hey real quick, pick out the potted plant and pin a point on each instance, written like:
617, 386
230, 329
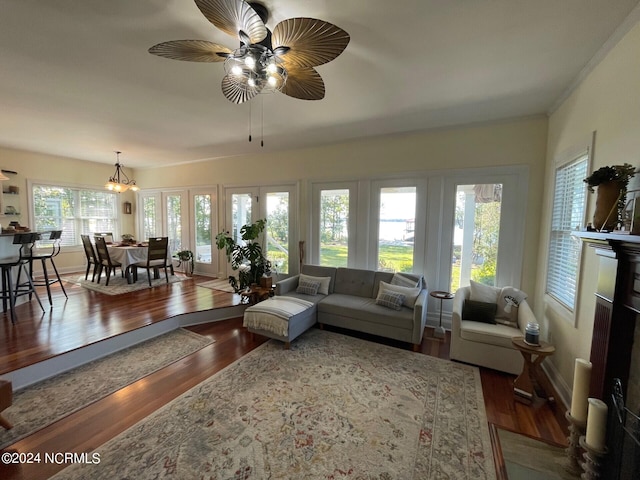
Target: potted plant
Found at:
245, 256
128, 238
612, 182
185, 260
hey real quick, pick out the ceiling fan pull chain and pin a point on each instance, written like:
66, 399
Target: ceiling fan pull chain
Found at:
249, 121
262, 121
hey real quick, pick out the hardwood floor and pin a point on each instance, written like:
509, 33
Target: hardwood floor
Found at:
87, 316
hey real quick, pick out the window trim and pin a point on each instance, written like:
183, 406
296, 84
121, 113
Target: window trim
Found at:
31, 183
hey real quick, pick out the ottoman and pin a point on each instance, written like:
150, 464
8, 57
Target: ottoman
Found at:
281, 318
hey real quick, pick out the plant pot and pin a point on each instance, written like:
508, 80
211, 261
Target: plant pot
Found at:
187, 268
606, 214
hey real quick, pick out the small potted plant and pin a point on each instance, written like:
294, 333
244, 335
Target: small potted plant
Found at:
185, 260
612, 182
128, 239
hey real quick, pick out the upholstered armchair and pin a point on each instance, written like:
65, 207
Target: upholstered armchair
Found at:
487, 344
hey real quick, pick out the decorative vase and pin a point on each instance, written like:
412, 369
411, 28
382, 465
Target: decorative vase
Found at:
606, 214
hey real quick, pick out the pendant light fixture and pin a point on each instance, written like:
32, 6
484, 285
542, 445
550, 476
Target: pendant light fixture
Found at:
119, 182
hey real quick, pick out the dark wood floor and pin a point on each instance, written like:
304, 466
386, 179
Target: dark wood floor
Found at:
88, 316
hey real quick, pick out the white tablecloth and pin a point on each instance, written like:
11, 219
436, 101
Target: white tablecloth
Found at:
127, 255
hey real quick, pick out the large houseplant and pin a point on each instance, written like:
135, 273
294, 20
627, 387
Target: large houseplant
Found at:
246, 255
612, 182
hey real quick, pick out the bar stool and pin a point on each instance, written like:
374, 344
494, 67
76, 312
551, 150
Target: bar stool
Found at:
9, 291
53, 237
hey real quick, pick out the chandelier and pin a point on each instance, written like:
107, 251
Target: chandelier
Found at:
119, 182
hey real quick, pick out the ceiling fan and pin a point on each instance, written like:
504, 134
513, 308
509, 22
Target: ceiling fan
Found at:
282, 60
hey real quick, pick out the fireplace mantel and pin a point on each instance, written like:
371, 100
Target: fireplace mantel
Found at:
617, 306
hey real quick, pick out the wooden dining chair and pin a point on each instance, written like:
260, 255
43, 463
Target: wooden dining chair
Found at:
156, 258
108, 236
104, 260
92, 258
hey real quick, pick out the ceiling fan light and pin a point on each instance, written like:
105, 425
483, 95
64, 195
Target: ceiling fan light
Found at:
251, 82
272, 67
273, 81
236, 70
249, 61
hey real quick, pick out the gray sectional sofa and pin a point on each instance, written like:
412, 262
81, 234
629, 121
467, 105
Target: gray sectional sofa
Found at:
350, 302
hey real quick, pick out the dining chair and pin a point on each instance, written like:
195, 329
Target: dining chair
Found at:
156, 258
104, 260
21, 259
108, 236
92, 258
50, 238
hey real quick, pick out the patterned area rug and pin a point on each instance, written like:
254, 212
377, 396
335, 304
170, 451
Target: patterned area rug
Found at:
218, 284
119, 285
46, 402
331, 407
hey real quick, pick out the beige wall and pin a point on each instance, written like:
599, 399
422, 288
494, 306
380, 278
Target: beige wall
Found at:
50, 168
514, 142
607, 102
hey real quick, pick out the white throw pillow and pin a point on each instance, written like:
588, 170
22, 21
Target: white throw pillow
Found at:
404, 281
483, 293
324, 282
509, 300
410, 294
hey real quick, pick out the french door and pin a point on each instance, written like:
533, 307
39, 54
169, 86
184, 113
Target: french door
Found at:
274, 203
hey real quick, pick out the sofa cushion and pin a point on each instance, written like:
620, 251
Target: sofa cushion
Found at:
323, 282
483, 293
320, 271
479, 311
499, 335
410, 294
351, 281
390, 299
365, 309
308, 288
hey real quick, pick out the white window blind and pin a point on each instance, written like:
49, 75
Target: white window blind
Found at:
569, 204
75, 211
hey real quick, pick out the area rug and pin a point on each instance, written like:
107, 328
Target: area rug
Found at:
218, 284
41, 404
118, 285
526, 458
331, 407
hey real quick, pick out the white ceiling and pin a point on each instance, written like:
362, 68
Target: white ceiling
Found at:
76, 78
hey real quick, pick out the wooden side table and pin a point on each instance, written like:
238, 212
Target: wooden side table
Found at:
532, 380
255, 294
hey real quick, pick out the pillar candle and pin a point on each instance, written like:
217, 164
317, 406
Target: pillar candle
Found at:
597, 424
581, 381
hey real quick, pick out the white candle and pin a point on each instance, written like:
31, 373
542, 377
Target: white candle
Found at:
581, 381
597, 424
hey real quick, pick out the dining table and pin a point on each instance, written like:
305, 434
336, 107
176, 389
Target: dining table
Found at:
128, 255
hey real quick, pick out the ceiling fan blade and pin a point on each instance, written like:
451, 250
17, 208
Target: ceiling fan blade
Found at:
191, 50
233, 16
311, 42
236, 89
304, 83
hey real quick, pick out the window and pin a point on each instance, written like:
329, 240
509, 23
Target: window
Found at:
202, 206
476, 234
75, 211
278, 231
396, 228
334, 227
568, 215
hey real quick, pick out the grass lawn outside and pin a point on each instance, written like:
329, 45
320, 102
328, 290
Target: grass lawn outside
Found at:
398, 258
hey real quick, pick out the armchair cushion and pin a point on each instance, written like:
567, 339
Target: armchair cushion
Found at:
484, 312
